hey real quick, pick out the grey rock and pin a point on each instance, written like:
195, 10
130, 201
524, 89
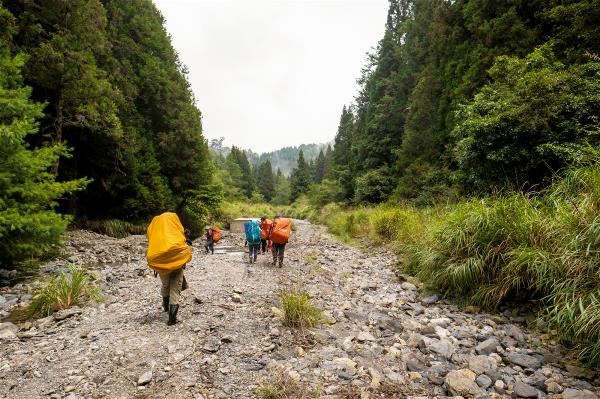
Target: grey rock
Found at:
408, 286
365, 336
526, 361
481, 364
462, 382
571, 393
484, 381
145, 378
66, 313
523, 390
252, 364
487, 347
212, 345
515, 332
443, 348
431, 299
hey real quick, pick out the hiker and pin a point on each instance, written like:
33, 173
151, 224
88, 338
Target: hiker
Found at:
210, 240
265, 228
253, 234
279, 235
168, 254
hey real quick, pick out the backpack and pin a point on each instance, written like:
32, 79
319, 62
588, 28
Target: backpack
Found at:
264, 229
216, 234
167, 247
281, 231
252, 230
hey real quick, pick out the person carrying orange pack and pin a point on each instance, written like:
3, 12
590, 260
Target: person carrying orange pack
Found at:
279, 234
265, 229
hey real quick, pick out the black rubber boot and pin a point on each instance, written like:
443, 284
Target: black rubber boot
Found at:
172, 314
165, 303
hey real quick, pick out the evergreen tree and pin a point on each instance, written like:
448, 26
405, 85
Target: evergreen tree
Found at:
265, 180
282, 189
320, 167
300, 180
247, 179
328, 164
342, 153
29, 226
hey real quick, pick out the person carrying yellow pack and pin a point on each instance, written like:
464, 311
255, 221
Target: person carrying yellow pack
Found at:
168, 253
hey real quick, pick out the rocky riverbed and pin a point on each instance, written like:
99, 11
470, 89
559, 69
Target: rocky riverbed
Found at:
385, 338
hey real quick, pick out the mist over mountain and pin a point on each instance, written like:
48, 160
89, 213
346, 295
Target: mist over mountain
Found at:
284, 159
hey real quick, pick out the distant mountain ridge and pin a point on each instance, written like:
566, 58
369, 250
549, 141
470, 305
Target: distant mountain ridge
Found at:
283, 159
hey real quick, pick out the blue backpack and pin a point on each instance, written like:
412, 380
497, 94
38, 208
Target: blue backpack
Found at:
252, 230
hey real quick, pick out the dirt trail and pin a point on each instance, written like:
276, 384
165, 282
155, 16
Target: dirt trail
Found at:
385, 339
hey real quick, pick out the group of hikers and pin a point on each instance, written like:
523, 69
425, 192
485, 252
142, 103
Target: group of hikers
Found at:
260, 237
169, 251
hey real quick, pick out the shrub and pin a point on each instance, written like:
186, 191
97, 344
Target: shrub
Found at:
298, 310
284, 387
75, 288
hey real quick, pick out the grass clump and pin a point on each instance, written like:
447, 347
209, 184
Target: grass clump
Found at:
116, 228
75, 288
298, 309
284, 387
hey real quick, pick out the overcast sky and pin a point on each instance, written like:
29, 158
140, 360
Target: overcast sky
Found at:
270, 74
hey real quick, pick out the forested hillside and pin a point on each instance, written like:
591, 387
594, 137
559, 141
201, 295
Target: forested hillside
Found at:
94, 97
470, 97
284, 159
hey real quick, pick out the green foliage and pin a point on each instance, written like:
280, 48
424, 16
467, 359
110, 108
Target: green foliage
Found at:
122, 103
298, 310
246, 179
282, 190
265, 180
116, 228
75, 288
29, 226
399, 139
542, 247
328, 191
535, 117
300, 180
373, 186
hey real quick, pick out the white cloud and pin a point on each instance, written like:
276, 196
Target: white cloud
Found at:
269, 74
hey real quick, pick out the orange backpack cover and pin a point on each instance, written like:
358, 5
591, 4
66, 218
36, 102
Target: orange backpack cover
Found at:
282, 229
216, 233
167, 249
264, 229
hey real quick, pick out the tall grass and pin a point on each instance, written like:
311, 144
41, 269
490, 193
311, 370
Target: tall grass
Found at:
115, 228
298, 309
75, 288
543, 247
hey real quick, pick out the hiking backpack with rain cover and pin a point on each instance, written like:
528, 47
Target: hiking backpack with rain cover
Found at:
252, 230
167, 247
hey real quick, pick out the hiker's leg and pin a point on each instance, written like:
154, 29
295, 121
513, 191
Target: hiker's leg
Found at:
274, 251
165, 287
263, 246
255, 249
176, 280
281, 253
212, 248
206, 247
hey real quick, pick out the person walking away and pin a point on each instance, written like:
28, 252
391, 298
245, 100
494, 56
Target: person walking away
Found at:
252, 230
168, 253
279, 236
210, 241
265, 228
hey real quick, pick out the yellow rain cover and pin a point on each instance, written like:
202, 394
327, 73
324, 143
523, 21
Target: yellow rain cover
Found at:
167, 249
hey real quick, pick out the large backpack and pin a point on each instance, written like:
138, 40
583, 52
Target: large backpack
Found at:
282, 229
167, 248
216, 234
252, 230
264, 229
